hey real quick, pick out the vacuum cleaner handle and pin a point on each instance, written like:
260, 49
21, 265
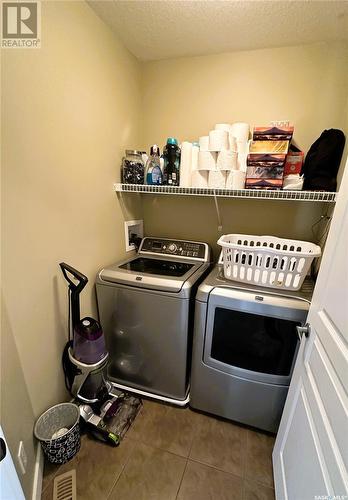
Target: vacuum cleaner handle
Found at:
81, 278
75, 289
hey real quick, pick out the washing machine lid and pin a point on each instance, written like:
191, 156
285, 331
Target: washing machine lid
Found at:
155, 273
157, 266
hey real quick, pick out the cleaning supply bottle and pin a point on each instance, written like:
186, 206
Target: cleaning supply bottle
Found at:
171, 168
153, 172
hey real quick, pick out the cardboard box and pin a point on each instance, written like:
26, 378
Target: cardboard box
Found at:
265, 160
263, 183
294, 162
262, 172
271, 147
273, 133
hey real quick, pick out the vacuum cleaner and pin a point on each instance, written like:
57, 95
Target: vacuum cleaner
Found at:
84, 362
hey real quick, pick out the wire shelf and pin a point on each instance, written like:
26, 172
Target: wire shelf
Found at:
264, 194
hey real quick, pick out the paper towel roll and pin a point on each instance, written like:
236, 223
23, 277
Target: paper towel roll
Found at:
226, 160
206, 160
235, 179
194, 156
242, 161
218, 140
223, 126
204, 143
185, 164
217, 179
240, 131
199, 178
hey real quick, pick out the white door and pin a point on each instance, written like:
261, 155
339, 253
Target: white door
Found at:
310, 457
10, 487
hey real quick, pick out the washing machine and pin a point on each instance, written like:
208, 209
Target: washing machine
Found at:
244, 348
146, 308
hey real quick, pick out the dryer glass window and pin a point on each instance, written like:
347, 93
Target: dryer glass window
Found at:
252, 342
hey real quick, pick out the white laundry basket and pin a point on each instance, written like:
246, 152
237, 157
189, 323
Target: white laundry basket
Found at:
266, 260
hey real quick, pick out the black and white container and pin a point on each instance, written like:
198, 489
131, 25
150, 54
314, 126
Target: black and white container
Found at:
58, 431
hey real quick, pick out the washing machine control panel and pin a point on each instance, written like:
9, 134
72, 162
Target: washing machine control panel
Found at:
174, 247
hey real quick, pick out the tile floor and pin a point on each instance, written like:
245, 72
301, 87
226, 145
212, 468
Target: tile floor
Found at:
172, 453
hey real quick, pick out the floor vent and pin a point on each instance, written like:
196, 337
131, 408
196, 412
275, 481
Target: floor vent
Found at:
64, 486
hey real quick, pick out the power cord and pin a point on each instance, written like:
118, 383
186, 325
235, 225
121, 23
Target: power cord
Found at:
218, 214
319, 239
70, 371
69, 312
135, 240
322, 218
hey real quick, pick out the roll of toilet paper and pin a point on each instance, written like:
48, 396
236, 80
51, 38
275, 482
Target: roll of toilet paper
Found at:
228, 128
240, 131
144, 157
233, 143
185, 164
194, 156
235, 179
242, 161
226, 160
204, 143
223, 126
206, 160
243, 146
218, 140
199, 178
217, 179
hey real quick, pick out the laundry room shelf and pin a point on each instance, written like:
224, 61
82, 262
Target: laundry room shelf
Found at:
274, 194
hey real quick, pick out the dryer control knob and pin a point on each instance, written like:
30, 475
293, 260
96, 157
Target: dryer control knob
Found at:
172, 247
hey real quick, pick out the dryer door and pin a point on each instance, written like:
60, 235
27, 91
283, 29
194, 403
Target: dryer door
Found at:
253, 336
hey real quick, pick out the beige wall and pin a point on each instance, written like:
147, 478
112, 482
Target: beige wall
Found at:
196, 218
306, 84
17, 414
69, 110
186, 97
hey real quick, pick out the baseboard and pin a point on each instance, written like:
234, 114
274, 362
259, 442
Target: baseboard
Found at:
38, 473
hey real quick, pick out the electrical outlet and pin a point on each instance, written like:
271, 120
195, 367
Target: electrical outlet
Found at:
133, 227
22, 457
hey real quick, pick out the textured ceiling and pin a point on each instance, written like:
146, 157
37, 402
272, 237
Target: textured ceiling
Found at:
165, 29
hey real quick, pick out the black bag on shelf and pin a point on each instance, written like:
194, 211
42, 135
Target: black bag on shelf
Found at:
323, 160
